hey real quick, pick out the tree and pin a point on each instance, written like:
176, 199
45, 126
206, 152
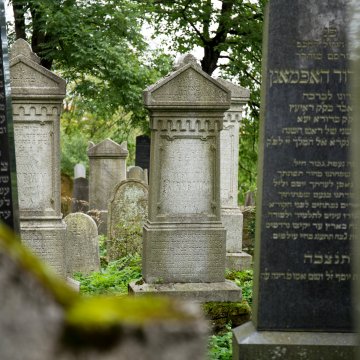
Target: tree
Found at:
95, 45
230, 33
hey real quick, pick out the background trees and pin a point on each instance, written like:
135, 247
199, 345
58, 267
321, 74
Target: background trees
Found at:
100, 49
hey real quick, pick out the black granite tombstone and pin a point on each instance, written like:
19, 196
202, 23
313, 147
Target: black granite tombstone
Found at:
142, 154
80, 197
8, 190
303, 251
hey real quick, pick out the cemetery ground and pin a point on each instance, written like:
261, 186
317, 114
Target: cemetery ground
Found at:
114, 277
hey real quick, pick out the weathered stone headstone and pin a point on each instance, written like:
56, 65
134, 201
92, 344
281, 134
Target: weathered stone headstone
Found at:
142, 152
128, 209
137, 173
43, 319
80, 197
37, 96
82, 245
107, 168
231, 215
302, 293
8, 189
184, 240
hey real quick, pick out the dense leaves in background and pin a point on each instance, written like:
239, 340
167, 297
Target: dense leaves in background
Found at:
99, 48
230, 34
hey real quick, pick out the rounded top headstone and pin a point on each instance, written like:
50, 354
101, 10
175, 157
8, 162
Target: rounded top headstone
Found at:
22, 47
184, 60
79, 171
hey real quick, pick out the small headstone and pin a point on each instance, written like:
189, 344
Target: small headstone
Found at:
82, 245
184, 240
107, 168
128, 209
302, 297
37, 96
80, 196
8, 189
137, 173
79, 171
249, 199
142, 152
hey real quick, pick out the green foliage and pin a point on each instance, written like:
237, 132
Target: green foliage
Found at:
220, 346
243, 279
112, 280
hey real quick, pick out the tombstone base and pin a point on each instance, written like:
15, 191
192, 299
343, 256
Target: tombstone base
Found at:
238, 261
199, 292
250, 344
45, 237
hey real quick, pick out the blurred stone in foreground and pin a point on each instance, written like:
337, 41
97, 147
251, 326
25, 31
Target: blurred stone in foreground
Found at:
43, 319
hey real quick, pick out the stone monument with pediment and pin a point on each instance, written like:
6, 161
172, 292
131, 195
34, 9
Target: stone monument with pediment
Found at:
37, 96
107, 168
231, 215
184, 239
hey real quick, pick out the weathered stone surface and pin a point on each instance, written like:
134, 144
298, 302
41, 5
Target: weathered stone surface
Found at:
42, 319
82, 245
137, 173
128, 209
231, 216
184, 240
37, 102
107, 168
80, 196
303, 251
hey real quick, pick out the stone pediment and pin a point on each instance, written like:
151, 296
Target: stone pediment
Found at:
108, 148
28, 76
187, 87
237, 92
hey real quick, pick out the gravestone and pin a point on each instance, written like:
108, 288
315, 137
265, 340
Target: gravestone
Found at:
137, 173
82, 244
142, 152
80, 197
128, 209
8, 189
184, 240
37, 96
43, 319
302, 292
107, 168
231, 215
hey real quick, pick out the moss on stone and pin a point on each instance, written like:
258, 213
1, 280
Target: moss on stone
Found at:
222, 313
93, 313
11, 245
103, 312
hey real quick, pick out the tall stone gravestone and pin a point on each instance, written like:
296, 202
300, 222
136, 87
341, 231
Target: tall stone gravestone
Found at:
128, 209
8, 189
302, 293
142, 152
107, 168
80, 197
231, 215
184, 240
82, 245
37, 97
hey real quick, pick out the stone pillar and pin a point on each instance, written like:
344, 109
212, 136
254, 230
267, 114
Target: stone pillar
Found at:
37, 97
231, 215
107, 168
184, 240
